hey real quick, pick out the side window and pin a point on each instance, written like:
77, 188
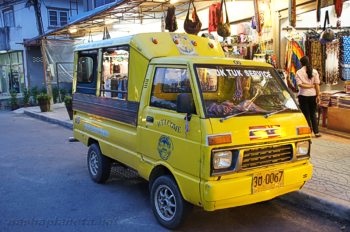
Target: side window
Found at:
87, 72
167, 84
9, 18
114, 82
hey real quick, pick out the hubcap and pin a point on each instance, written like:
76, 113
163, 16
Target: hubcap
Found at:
165, 202
93, 163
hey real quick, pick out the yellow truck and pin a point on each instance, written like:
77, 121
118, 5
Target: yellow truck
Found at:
203, 129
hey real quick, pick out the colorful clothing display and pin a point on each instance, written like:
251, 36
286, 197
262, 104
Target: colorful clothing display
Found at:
344, 58
316, 57
294, 52
332, 63
346, 49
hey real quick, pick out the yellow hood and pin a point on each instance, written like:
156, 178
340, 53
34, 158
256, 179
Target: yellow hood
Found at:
256, 128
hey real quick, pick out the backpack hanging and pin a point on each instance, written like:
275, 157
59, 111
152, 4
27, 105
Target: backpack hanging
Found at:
106, 34
170, 20
192, 26
328, 34
224, 29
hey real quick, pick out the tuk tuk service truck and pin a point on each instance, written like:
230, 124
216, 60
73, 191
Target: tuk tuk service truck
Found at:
203, 129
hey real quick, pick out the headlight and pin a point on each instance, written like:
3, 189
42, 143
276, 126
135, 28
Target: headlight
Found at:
303, 149
222, 159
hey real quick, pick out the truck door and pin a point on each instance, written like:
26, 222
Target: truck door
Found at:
165, 135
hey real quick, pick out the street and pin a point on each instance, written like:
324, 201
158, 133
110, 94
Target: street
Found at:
45, 186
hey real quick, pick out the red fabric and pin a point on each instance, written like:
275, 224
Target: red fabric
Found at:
214, 11
338, 7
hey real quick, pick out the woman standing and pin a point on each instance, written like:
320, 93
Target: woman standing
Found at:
309, 92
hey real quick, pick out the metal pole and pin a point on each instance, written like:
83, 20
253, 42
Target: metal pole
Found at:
58, 83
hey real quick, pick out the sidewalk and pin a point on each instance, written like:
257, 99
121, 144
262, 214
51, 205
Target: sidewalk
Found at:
329, 189
57, 115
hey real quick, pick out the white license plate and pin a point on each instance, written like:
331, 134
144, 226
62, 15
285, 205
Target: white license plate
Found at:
267, 180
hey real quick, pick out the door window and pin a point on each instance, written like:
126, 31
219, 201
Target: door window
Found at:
167, 84
87, 72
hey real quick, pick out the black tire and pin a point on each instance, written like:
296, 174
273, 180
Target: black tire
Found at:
169, 211
99, 166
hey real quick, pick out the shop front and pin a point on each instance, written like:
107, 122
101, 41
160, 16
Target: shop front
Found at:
11, 74
281, 33
276, 32
324, 36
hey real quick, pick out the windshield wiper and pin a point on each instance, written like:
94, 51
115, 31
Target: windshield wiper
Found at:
233, 115
275, 112
258, 92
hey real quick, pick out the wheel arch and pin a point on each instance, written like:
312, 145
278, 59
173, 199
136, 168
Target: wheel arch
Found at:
92, 141
161, 170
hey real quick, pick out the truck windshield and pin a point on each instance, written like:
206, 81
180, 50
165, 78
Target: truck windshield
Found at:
230, 91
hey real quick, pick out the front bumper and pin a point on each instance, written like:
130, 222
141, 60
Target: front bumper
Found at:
238, 191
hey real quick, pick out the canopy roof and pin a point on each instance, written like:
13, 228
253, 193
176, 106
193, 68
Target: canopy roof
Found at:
121, 12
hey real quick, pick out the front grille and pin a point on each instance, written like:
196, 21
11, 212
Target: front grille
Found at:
258, 157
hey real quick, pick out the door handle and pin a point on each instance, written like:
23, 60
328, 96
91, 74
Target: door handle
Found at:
149, 119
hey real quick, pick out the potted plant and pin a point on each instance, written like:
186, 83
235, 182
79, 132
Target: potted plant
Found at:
13, 100
26, 97
69, 106
34, 92
44, 102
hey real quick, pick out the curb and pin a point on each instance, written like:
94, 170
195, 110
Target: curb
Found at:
336, 133
319, 202
67, 125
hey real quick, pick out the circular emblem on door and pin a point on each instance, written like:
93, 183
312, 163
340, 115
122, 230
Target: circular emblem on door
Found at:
165, 147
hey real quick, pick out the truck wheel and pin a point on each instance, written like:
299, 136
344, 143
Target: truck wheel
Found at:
167, 203
99, 165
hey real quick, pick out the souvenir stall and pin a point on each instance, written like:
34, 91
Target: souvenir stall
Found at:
251, 38
243, 34
328, 48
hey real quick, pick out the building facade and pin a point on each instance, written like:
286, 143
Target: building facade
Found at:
22, 67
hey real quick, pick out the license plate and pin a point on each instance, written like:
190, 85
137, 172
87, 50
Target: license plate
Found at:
263, 181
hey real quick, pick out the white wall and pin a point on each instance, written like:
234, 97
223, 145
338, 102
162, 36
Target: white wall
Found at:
309, 19
58, 4
237, 10
25, 21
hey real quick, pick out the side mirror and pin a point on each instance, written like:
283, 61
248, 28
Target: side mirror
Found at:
185, 104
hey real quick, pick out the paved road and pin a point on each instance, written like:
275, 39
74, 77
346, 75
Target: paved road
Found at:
331, 158
45, 186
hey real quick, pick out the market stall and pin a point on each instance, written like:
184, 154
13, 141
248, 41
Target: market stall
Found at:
324, 36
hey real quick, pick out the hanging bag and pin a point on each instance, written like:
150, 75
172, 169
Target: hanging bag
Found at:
328, 34
292, 13
192, 26
224, 29
257, 17
338, 4
170, 20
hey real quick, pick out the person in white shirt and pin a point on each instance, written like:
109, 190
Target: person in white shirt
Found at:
308, 81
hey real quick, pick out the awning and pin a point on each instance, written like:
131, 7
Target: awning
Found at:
120, 12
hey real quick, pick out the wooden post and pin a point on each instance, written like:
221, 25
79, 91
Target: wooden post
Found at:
47, 78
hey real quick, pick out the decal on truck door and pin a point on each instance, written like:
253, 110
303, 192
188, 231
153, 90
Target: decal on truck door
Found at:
165, 147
